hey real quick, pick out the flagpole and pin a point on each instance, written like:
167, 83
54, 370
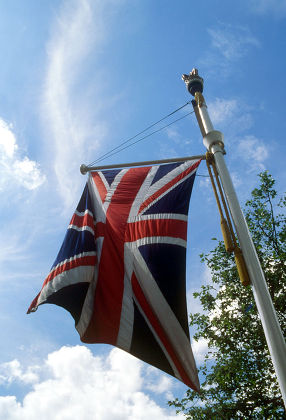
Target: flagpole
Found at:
84, 168
213, 140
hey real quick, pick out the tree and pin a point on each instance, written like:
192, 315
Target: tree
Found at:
238, 376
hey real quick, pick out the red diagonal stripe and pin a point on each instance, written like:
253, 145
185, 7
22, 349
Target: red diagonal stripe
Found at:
84, 220
100, 185
156, 227
99, 229
167, 186
68, 265
152, 318
105, 320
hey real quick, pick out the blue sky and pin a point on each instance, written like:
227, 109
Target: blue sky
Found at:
78, 77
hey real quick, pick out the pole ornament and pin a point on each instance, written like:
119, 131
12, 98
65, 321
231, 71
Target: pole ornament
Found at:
194, 82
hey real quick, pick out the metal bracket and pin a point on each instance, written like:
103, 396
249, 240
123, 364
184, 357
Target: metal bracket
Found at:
212, 138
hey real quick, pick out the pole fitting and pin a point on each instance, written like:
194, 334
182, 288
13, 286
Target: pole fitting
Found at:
209, 157
212, 138
194, 82
83, 169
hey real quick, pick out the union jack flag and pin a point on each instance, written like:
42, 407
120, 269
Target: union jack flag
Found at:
121, 269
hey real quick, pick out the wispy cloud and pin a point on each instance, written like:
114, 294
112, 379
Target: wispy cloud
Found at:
73, 132
173, 134
253, 150
16, 240
222, 110
229, 44
230, 114
178, 145
16, 169
276, 8
232, 42
72, 383
236, 119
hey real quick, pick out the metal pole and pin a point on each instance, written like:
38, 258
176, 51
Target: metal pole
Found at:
84, 168
213, 140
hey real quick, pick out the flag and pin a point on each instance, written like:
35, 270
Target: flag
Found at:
121, 269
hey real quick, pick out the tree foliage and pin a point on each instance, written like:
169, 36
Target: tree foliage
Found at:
238, 376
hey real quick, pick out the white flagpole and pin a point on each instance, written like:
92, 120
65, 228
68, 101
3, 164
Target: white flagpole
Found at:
213, 140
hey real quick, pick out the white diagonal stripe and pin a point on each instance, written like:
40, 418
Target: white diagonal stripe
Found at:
111, 190
166, 317
98, 210
83, 213
142, 193
80, 274
161, 216
167, 191
87, 308
103, 179
169, 176
175, 370
125, 332
157, 240
82, 228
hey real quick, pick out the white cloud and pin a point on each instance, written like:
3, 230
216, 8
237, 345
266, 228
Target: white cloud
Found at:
160, 384
173, 134
276, 8
254, 151
200, 349
232, 42
73, 132
7, 139
234, 118
15, 168
229, 44
228, 114
207, 275
13, 372
29, 172
222, 109
76, 384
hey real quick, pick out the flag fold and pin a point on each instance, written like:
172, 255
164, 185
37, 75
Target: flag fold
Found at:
121, 269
